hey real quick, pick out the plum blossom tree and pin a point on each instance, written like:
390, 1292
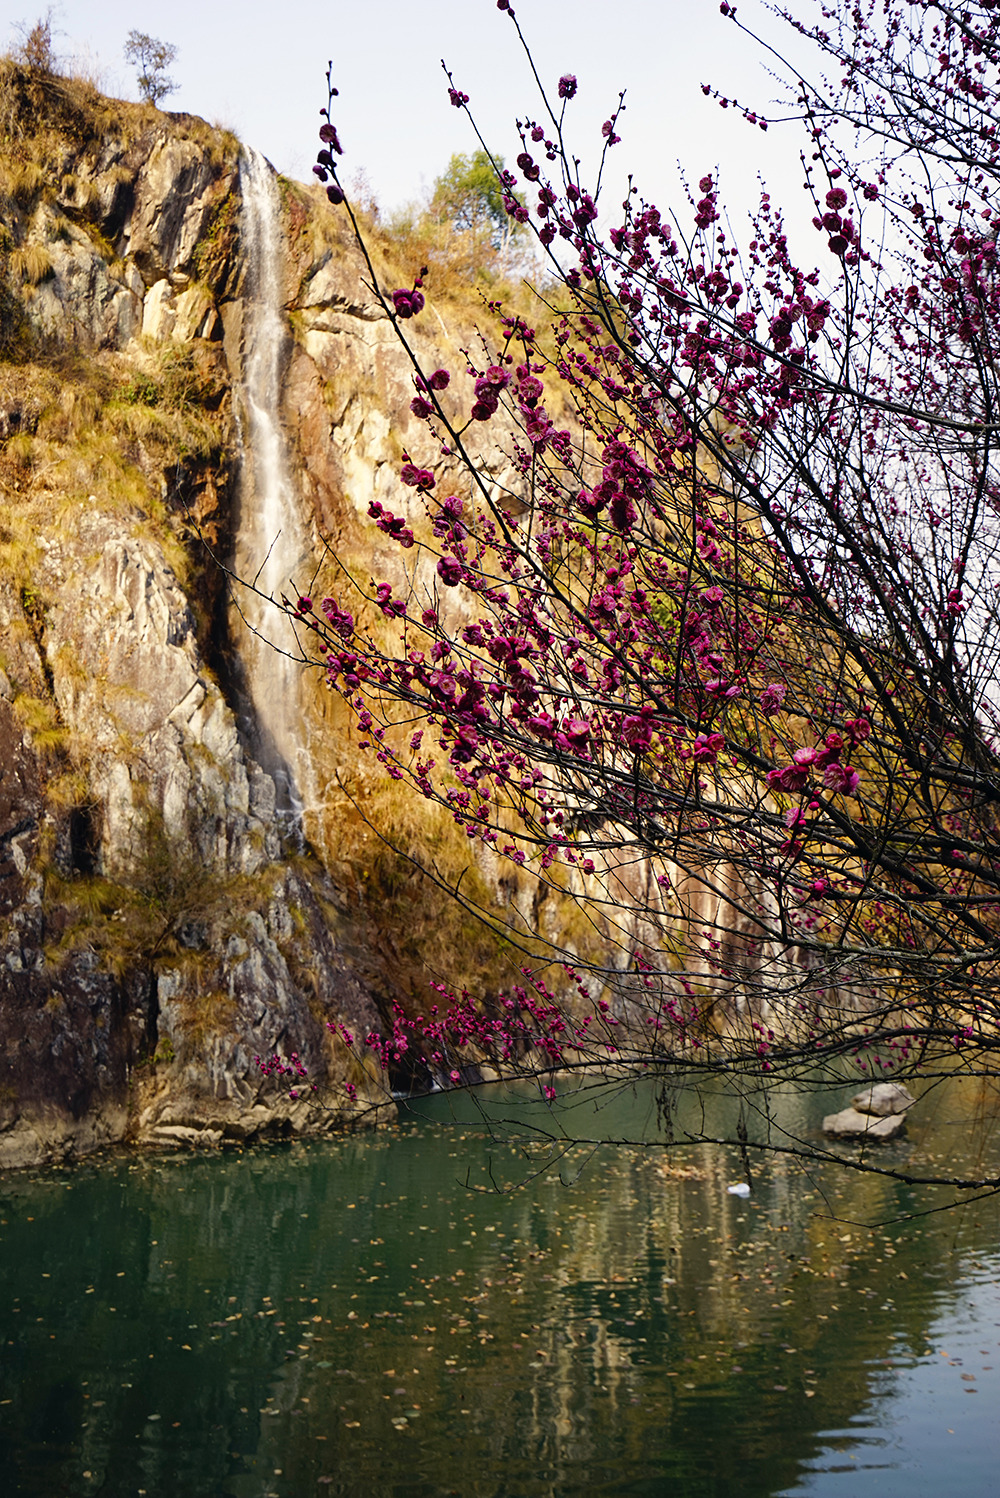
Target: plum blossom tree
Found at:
717, 676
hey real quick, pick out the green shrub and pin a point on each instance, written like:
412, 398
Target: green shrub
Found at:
140, 390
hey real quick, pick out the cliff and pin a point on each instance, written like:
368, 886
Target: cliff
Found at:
164, 918
198, 389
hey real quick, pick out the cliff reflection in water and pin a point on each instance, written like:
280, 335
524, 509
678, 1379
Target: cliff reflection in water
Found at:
352, 1311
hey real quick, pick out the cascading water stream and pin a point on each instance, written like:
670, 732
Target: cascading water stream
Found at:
272, 547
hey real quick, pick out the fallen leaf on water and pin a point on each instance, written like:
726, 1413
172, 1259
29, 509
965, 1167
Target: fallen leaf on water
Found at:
681, 1172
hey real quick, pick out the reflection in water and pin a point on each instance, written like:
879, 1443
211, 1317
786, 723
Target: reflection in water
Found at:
366, 1316
929, 1424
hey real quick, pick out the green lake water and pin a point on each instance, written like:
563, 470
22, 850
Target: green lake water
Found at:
372, 1316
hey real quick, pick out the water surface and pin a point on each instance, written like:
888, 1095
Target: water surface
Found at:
375, 1316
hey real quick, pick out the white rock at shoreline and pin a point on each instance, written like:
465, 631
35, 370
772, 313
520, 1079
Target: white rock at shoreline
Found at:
883, 1099
850, 1124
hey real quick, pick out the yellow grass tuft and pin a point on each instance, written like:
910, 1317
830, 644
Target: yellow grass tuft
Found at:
32, 264
24, 180
40, 717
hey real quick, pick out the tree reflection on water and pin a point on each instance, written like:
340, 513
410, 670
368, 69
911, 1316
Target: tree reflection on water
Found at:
357, 1314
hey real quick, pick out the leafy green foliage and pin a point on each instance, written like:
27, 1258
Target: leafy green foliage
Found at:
461, 230
469, 195
140, 390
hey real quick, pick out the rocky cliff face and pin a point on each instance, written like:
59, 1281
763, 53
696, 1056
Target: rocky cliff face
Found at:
163, 917
155, 933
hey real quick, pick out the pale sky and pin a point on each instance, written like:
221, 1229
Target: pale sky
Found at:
260, 70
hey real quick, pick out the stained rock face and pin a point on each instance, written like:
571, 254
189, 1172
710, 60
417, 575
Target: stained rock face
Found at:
21, 805
155, 198
166, 1055
83, 302
174, 193
214, 1089
162, 736
67, 1039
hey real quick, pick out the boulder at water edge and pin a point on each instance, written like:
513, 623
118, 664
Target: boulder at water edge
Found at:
884, 1098
850, 1124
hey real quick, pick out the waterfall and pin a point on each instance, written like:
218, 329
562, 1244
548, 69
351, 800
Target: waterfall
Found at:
273, 552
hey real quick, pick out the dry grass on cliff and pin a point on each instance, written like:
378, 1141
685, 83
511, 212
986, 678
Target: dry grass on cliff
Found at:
160, 403
384, 840
460, 290
40, 112
457, 288
436, 906
100, 427
138, 920
381, 838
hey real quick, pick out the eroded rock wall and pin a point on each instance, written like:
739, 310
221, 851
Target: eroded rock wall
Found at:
155, 939
158, 929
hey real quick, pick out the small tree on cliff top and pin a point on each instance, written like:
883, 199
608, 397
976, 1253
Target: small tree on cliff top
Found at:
35, 48
729, 683
151, 59
470, 195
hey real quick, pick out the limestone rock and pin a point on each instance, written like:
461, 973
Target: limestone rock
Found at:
180, 314
156, 201
87, 1059
883, 1098
850, 1124
68, 1037
163, 739
179, 1134
49, 1136
20, 808
327, 295
81, 303
174, 195
213, 1082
